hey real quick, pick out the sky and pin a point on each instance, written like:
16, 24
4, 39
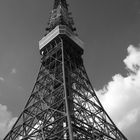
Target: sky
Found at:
111, 33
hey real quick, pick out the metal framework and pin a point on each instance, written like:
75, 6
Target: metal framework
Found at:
63, 104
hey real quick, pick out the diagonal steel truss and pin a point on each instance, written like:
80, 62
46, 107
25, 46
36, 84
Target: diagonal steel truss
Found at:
63, 104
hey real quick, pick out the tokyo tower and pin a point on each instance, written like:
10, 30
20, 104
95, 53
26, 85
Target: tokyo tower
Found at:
63, 104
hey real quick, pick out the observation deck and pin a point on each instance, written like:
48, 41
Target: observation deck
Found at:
59, 30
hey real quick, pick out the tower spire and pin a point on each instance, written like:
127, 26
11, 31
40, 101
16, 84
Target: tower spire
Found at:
60, 15
60, 2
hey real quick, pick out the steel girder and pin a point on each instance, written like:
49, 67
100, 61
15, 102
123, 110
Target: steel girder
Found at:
63, 104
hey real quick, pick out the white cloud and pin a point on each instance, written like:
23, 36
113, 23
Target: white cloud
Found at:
6, 121
121, 96
2, 79
13, 71
131, 117
132, 61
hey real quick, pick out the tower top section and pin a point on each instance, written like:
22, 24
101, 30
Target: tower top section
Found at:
60, 15
60, 2
60, 24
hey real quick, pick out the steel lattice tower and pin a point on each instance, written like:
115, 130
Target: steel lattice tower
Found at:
63, 104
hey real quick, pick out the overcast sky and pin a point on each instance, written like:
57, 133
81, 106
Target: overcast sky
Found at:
110, 30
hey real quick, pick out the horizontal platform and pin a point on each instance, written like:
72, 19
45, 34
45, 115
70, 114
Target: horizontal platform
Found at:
60, 29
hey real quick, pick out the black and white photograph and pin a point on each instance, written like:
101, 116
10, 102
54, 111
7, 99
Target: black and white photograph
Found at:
69, 69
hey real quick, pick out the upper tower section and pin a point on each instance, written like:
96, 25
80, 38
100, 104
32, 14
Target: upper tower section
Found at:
60, 24
60, 15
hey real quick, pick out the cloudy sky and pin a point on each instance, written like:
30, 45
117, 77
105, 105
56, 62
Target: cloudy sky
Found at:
111, 33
